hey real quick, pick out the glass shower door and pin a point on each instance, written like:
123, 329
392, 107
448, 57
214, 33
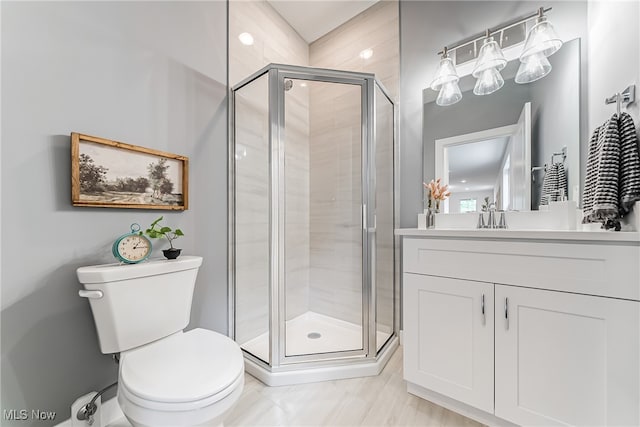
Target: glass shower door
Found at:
251, 222
322, 206
383, 153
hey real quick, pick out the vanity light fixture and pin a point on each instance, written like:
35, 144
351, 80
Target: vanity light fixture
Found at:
541, 42
487, 70
489, 81
542, 38
446, 81
449, 94
532, 68
490, 56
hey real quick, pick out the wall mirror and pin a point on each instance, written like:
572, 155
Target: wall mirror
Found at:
492, 164
487, 145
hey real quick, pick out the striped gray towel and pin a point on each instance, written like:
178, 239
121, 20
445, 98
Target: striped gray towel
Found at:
613, 172
629, 191
553, 184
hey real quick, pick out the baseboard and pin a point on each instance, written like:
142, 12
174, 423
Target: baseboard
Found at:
317, 374
458, 407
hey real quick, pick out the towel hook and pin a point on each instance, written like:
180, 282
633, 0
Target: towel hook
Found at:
627, 96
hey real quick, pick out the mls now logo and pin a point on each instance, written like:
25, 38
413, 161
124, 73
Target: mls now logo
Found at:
15, 414
23, 414
37, 414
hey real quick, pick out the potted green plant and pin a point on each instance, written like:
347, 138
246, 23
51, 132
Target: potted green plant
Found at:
155, 231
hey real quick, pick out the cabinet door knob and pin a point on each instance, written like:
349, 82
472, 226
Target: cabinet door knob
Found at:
484, 318
506, 312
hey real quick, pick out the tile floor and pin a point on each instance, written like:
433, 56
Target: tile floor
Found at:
371, 401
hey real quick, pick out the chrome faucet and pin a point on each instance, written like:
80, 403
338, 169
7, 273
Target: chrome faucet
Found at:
492, 216
481, 223
502, 223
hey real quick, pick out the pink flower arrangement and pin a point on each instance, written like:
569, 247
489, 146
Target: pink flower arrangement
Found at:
436, 191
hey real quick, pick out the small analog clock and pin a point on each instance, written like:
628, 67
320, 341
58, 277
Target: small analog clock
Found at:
132, 247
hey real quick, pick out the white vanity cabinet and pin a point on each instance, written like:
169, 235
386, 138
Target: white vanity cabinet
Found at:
558, 342
565, 359
451, 350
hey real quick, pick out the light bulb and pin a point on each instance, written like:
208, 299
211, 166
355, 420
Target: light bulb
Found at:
449, 94
490, 56
532, 68
488, 82
445, 73
541, 39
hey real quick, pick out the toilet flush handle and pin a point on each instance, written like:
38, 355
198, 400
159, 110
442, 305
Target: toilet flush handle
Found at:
90, 294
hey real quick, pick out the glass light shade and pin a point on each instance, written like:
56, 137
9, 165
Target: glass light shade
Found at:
541, 39
490, 56
445, 73
532, 68
488, 82
449, 94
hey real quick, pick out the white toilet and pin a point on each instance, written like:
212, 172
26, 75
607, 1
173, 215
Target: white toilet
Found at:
167, 377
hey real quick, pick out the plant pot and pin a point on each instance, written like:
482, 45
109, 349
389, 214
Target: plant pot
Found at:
172, 253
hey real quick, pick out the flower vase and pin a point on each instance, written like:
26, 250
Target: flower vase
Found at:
431, 216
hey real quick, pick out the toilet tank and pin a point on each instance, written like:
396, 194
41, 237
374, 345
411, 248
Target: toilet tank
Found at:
139, 303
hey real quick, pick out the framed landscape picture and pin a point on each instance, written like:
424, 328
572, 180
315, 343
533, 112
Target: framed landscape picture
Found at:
113, 174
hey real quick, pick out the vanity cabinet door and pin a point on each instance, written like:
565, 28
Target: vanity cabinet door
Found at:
448, 341
566, 359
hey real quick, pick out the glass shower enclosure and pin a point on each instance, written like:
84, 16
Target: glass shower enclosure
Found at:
311, 218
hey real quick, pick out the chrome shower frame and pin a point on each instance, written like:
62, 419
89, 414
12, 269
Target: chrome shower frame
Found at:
278, 74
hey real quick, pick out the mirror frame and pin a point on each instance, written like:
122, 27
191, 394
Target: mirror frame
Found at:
442, 163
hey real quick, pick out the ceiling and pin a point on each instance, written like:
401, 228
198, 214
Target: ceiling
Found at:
313, 19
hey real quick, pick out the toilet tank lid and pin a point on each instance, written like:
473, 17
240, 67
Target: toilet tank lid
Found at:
114, 272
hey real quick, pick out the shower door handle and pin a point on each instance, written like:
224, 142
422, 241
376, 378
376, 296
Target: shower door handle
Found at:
364, 217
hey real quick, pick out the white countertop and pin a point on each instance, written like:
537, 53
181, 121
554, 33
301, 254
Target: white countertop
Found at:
594, 236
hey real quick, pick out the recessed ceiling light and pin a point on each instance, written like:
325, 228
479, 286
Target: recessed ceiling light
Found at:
466, 188
246, 39
366, 54
463, 181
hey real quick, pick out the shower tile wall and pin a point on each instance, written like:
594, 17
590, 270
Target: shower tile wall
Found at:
377, 28
335, 283
336, 199
274, 42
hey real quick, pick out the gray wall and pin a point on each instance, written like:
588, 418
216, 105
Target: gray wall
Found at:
427, 26
150, 74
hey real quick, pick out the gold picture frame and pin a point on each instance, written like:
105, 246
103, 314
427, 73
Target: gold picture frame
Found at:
112, 174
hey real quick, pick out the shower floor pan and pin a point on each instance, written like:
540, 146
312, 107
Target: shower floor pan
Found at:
313, 333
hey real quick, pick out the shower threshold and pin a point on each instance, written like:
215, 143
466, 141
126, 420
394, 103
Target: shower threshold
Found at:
313, 333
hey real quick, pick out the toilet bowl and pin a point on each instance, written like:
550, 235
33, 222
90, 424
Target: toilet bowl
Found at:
187, 379
167, 377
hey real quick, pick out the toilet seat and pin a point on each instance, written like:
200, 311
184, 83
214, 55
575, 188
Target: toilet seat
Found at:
185, 371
